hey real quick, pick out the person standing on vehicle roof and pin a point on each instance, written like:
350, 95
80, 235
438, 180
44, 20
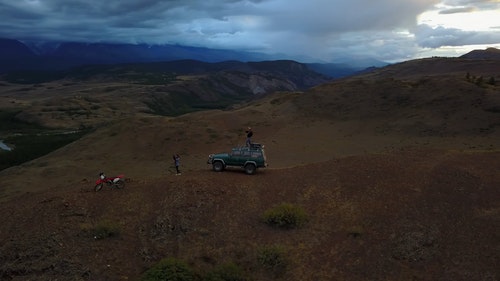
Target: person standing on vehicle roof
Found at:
249, 137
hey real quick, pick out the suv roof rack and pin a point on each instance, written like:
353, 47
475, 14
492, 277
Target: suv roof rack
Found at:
256, 145
253, 146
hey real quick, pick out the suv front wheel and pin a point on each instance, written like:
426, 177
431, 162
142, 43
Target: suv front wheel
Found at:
218, 166
250, 168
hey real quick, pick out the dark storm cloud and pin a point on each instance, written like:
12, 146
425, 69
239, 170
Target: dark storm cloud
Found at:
308, 28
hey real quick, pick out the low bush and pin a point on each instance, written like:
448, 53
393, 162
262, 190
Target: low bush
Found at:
273, 258
169, 269
105, 229
226, 272
285, 215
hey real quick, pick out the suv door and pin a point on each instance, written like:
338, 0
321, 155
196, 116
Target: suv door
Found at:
235, 158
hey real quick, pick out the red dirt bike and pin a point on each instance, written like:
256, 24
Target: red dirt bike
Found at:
113, 182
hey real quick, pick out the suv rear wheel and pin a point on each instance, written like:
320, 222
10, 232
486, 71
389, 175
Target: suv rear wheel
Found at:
250, 168
218, 166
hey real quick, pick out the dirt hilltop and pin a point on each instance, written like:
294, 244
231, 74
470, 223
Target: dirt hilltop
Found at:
398, 176
407, 215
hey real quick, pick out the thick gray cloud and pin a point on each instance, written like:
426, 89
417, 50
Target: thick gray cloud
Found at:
436, 37
467, 6
487, 4
458, 10
319, 29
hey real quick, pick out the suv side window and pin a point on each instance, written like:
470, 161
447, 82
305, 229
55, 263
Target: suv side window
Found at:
256, 154
236, 152
246, 153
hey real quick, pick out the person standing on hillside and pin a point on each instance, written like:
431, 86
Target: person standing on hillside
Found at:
177, 163
249, 137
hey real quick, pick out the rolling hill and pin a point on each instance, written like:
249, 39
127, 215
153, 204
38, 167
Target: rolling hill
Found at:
396, 171
89, 95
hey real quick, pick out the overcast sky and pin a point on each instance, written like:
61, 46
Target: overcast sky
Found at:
324, 30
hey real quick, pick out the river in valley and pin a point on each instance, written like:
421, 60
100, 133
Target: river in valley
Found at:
3, 146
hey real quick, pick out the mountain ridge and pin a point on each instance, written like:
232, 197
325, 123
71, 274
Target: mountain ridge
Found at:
61, 56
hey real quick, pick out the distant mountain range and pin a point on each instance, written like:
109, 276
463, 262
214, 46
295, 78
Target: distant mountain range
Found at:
50, 56
16, 55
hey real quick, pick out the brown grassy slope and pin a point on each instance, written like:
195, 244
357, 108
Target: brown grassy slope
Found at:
363, 114
415, 214
399, 177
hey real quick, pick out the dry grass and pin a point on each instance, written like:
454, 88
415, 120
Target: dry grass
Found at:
394, 188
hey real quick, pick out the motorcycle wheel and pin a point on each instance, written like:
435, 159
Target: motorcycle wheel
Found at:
98, 187
120, 184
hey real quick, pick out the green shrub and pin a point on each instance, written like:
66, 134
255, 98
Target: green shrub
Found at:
169, 269
355, 231
105, 229
285, 215
491, 81
479, 81
273, 258
226, 272
212, 133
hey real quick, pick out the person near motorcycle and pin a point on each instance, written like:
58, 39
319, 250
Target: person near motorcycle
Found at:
177, 163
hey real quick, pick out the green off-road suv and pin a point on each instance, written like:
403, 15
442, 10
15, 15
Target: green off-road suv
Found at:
250, 158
